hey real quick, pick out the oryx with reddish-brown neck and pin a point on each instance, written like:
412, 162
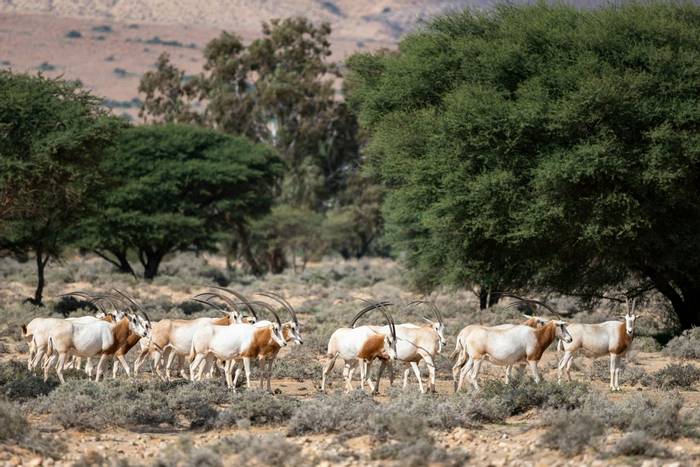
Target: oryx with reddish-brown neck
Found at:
355, 345
173, 337
291, 331
510, 346
460, 346
595, 340
415, 343
228, 343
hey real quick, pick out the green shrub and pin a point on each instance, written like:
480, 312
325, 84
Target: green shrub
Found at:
73, 34
646, 344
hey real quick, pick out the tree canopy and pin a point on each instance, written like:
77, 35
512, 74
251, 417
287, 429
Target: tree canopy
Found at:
175, 187
52, 137
543, 146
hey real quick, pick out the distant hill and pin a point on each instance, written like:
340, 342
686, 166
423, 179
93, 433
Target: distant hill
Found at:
109, 44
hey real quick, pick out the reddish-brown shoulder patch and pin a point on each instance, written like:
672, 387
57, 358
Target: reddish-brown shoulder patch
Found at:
372, 348
261, 337
623, 340
545, 335
223, 321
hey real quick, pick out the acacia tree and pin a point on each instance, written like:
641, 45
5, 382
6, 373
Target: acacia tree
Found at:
543, 146
278, 90
177, 187
52, 136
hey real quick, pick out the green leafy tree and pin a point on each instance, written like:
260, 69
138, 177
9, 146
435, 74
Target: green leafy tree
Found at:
543, 146
177, 187
52, 136
279, 90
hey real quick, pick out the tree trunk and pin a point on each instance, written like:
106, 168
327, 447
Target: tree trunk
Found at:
121, 261
41, 262
150, 259
487, 299
248, 256
276, 261
686, 303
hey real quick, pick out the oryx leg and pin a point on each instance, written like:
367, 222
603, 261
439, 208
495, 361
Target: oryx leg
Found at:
227, 374
564, 363
246, 367
509, 369
124, 363
88, 367
375, 388
348, 371
100, 366
59, 367
270, 362
416, 371
38, 357
406, 372
171, 356
534, 370
613, 370
326, 370
196, 363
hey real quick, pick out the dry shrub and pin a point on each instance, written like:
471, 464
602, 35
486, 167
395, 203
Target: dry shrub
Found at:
675, 376
17, 383
638, 443
523, 394
257, 408
568, 434
687, 345
420, 452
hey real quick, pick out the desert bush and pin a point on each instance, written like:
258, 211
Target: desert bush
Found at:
645, 344
69, 304
262, 450
687, 345
102, 28
630, 374
419, 452
332, 414
86, 404
570, 431
46, 66
17, 383
13, 424
523, 394
675, 376
257, 408
73, 34
638, 443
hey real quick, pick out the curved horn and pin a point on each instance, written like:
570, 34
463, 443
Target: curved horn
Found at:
433, 308
390, 320
213, 305
531, 300
131, 300
268, 307
282, 302
241, 298
370, 307
91, 299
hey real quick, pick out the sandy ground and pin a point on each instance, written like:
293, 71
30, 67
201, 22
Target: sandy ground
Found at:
512, 443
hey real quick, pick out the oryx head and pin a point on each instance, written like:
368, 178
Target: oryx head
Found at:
438, 325
292, 327
630, 317
561, 332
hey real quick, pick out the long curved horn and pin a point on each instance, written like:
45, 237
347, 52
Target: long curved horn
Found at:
531, 300
241, 298
131, 300
282, 302
268, 307
370, 307
433, 308
390, 320
211, 304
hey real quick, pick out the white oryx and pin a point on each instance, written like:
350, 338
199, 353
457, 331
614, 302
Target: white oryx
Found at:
414, 343
173, 337
90, 338
356, 345
228, 343
462, 357
510, 346
595, 340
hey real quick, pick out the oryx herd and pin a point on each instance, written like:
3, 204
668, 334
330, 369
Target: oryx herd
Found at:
204, 346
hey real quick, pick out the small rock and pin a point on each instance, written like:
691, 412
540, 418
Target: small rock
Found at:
36, 462
672, 464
